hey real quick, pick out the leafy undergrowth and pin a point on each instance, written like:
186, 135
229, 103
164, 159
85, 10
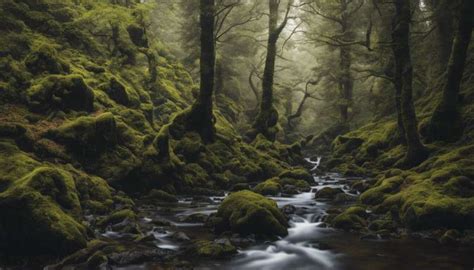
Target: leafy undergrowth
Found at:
85, 125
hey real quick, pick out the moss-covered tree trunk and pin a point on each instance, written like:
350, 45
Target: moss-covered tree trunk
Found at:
446, 122
267, 118
416, 151
201, 118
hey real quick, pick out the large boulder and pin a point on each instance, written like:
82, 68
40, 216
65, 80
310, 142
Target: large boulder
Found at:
36, 215
61, 92
269, 187
246, 212
87, 134
328, 193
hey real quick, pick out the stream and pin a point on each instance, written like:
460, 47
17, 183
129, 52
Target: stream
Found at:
310, 244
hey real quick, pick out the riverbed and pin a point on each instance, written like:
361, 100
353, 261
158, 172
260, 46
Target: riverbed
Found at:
310, 243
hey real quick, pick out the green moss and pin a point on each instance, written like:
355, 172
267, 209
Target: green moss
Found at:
195, 175
68, 92
378, 193
56, 184
327, 193
213, 249
246, 212
189, 147
352, 218
117, 217
86, 134
300, 184
35, 215
298, 173
14, 164
269, 187
120, 93
44, 59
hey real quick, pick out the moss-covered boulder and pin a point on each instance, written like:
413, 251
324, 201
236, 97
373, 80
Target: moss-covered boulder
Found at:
45, 59
60, 92
117, 217
246, 212
120, 93
299, 174
382, 188
217, 249
36, 215
352, 218
87, 134
327, 193
269, 187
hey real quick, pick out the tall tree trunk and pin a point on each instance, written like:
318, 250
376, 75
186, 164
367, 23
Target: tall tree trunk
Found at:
446, 122
416, 151
397, 81
444, 31
346, 81
266, 120
201, 118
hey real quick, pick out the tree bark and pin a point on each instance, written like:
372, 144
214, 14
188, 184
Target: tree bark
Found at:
346, 83
416, 151
446, 122
201, 118
346, 80
267, 118
444, 32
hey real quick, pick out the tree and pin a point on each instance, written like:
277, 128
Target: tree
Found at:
267, 118
446, 122
340, 16
416, 151
201, 118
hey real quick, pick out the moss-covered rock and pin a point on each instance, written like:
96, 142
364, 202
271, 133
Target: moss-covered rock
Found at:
352, 218
246, 212
34, 215
86, 134
327, 193
269, 187
117, 217
217, 249
377, 194
45, 59
120, 93
298, 173
60, 92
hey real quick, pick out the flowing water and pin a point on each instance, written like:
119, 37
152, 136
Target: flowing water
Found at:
309, 244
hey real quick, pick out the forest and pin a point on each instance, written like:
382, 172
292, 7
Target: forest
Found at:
237, 134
